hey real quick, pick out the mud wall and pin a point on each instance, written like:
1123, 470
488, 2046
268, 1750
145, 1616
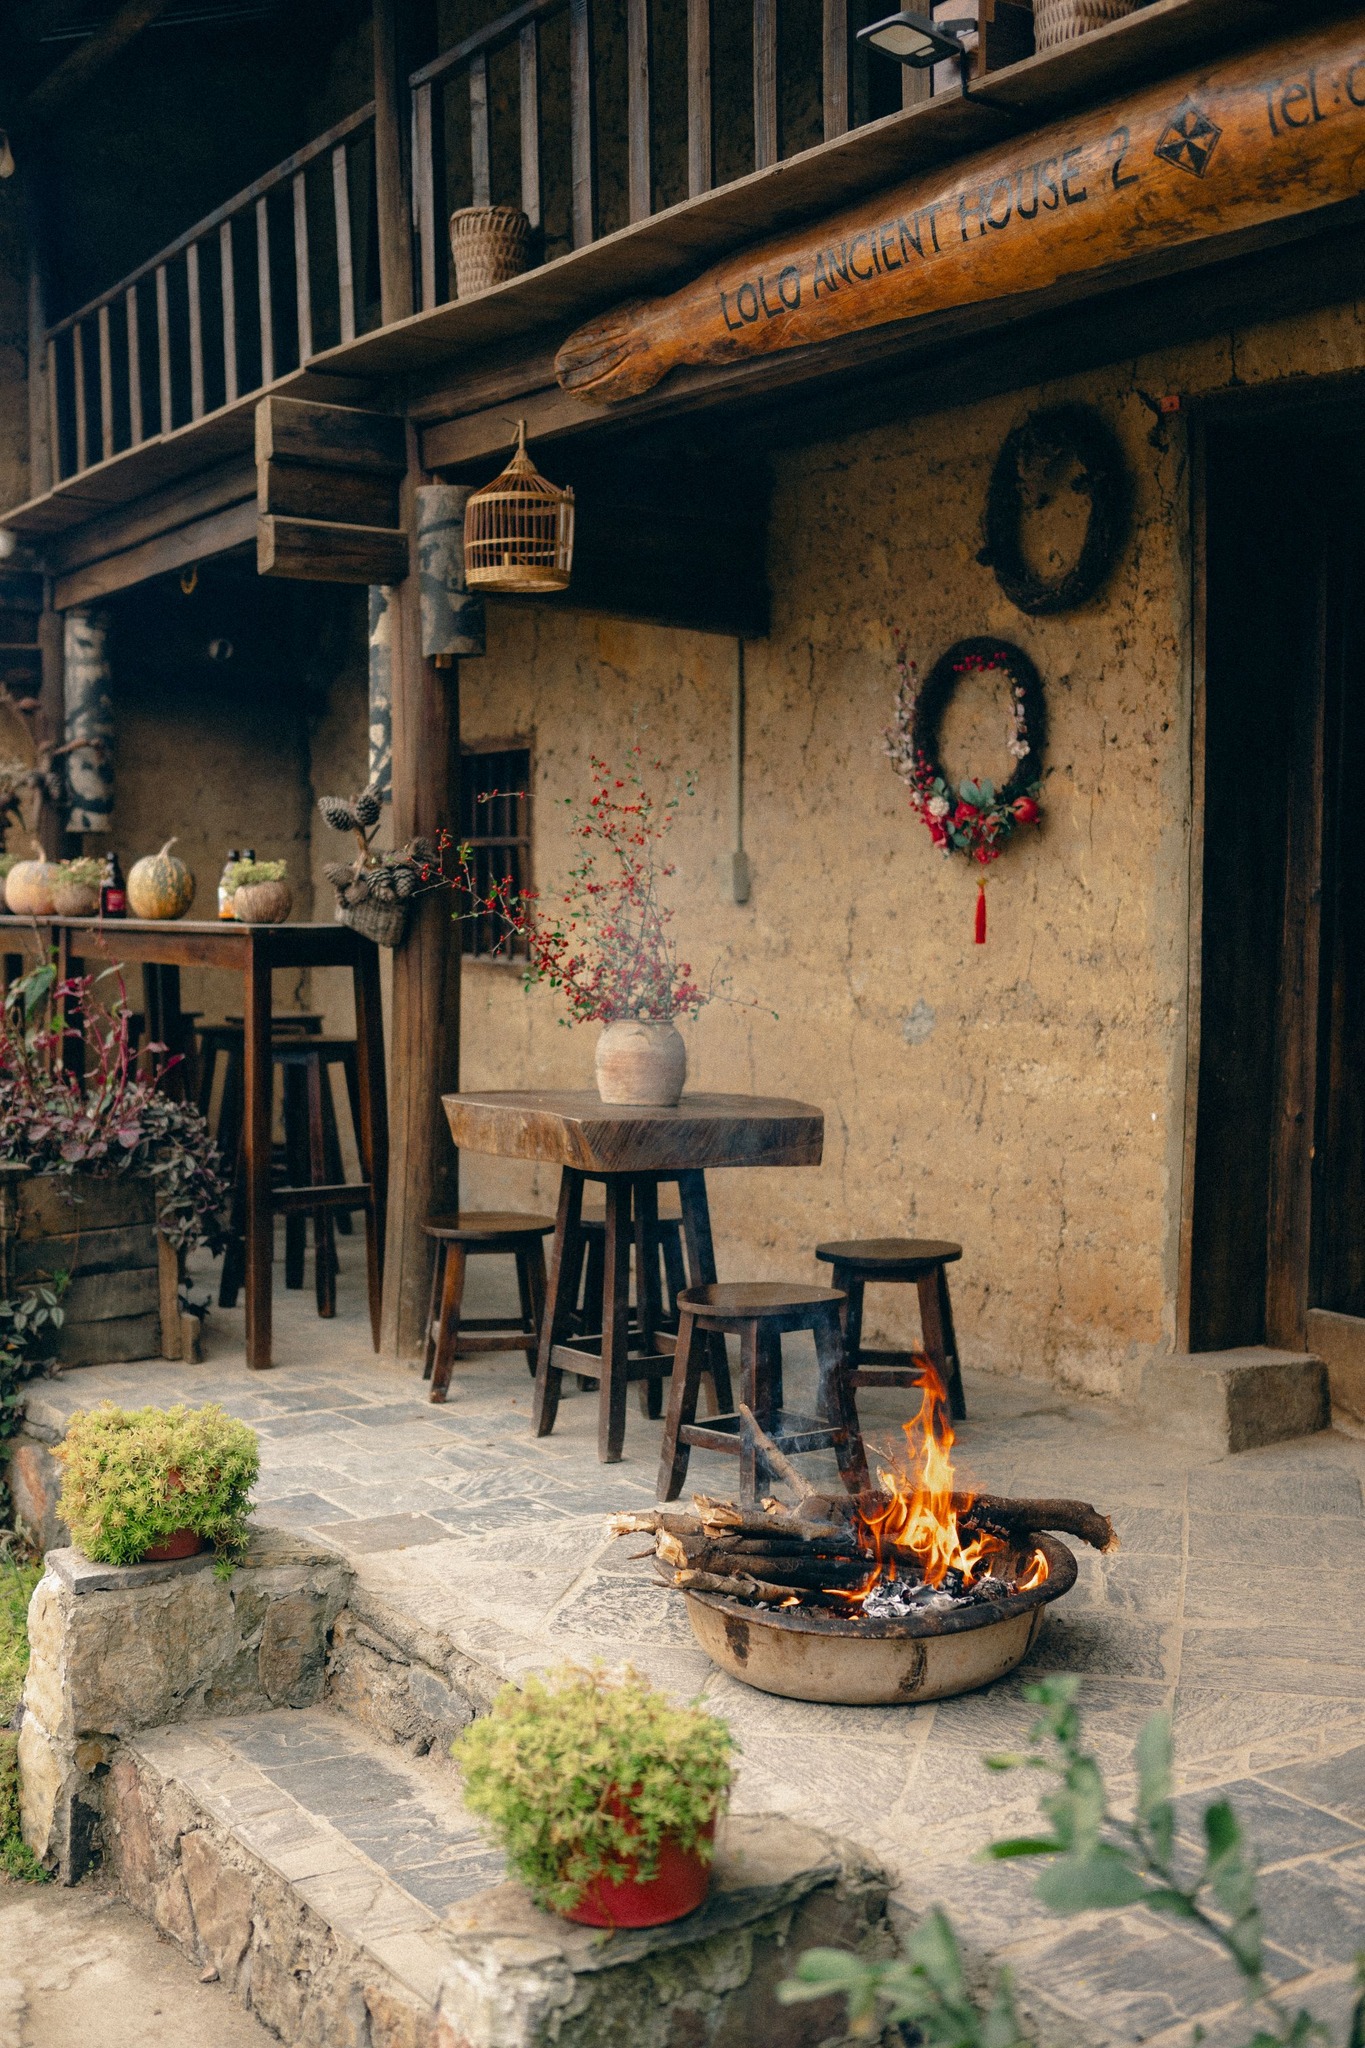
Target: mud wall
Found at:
1025, 1097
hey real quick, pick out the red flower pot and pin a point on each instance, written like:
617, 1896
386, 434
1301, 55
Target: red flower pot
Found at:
182, 1543
678, 1887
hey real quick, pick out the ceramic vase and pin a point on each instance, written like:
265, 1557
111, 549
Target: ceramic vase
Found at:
641, 1062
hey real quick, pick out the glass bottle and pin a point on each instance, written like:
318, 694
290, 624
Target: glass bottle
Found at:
113, 897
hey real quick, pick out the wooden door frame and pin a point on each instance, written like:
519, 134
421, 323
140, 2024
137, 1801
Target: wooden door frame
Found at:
1321, 400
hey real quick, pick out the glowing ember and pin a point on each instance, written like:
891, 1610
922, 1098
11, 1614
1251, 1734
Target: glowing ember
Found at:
915, 1538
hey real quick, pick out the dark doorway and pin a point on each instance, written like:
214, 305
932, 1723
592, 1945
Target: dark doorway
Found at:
1279, 1197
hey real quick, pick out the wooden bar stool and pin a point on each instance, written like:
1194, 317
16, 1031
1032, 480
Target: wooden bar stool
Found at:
925, 1261
458, 1238
759, 1313
307, 1170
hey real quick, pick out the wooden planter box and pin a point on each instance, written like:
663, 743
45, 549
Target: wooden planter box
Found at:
122, 1301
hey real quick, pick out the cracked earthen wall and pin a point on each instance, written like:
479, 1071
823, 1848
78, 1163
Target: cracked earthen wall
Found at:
1025, 1097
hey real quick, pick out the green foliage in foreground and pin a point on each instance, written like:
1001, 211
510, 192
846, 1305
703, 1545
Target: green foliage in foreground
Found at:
583, 1777
131, 1477
1097, 1862
16, 1590
16, 1587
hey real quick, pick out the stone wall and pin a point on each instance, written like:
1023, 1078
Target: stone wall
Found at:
1025, 1097
117, 1649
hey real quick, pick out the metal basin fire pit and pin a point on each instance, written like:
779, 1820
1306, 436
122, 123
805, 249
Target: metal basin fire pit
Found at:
812, 1653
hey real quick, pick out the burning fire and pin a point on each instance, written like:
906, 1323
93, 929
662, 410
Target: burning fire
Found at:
922, 1509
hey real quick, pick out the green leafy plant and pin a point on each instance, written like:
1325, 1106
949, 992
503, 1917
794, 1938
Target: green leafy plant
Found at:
584, 1775
244, 874
1097, 1861
131, 1477
85, 873
29, 1323
17, 1581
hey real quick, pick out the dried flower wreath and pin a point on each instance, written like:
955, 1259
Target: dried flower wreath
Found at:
976, 818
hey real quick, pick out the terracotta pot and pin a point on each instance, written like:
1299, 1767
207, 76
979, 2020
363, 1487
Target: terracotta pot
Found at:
28, 888
263, 903
75, 899
679, 1886
642, 1062
181, 1543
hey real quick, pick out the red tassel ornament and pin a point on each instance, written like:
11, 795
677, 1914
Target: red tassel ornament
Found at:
981, 913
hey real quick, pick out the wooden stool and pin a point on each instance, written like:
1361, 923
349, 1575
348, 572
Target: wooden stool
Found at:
589, 1284
758, 1312
308, 1170
457, 1237
924, 1261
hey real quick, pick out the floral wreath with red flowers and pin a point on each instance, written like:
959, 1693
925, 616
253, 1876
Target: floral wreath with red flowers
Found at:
976, 818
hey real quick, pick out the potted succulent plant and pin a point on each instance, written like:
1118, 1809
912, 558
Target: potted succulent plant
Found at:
603, 1795
143, 1485
375, 891
76, 887
260, 893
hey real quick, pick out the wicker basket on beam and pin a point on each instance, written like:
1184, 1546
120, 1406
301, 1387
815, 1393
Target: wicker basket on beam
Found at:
518, 530
1061, 21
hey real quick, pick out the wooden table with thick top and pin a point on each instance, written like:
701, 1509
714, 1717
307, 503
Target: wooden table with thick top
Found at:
630, 1150
253, 951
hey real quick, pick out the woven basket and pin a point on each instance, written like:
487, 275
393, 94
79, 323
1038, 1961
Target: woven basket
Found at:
1061, 21
518, 530
489, 245
385, 923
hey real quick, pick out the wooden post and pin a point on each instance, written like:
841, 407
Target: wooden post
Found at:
424, 1047
51, 715
392, 170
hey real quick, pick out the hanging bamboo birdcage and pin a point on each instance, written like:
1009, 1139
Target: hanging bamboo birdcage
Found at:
518, 530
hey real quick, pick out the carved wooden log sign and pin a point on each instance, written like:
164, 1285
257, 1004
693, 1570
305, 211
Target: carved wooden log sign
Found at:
1255, 139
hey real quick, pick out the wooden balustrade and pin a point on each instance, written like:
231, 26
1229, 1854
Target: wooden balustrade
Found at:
184, 335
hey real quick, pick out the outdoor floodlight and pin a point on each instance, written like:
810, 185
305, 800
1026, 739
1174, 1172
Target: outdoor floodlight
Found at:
916, 40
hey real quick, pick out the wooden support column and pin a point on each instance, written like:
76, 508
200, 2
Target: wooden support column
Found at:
424, 1047
392, 167
51, 715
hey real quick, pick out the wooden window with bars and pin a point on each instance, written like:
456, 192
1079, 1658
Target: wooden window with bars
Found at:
495, 819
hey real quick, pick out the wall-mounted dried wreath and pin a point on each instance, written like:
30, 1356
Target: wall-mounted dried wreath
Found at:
976, 818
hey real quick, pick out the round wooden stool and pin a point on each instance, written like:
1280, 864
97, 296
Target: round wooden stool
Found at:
925, 1261
758, 1312
458, 1238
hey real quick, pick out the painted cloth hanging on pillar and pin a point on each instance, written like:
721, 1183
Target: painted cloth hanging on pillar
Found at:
452, 614
381, 691
89, 699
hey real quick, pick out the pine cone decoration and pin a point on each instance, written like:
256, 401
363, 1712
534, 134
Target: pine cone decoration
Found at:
340, 815
358, 887
404, 882
366, 808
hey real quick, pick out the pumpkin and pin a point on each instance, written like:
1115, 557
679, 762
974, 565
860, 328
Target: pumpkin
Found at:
262, 902
28, 888
159, 885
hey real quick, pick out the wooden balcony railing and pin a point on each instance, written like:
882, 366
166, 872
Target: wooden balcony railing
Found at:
504, 118
284, 269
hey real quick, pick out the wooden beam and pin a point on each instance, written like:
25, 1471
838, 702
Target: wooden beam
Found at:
114, 533
528, 67
424, 1052
640, 177
701, 124
835, 67
582, 124
346, 497
329, 436
480, 149
216, 535
324, 551
766, 145
89, 58
392, 171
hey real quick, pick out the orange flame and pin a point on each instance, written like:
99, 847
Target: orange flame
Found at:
923, 1505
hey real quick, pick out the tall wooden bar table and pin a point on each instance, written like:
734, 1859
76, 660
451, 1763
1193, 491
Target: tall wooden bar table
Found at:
630, 1150
254, 951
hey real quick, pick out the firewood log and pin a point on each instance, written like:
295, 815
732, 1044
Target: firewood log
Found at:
1030, 1517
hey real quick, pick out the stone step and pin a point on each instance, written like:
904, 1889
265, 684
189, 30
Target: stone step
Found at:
344, 1894
1237, 1400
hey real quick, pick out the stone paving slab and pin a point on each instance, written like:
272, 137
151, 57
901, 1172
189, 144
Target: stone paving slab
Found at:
486, 1549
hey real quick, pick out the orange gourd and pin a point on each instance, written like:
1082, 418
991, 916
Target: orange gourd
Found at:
159, 885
